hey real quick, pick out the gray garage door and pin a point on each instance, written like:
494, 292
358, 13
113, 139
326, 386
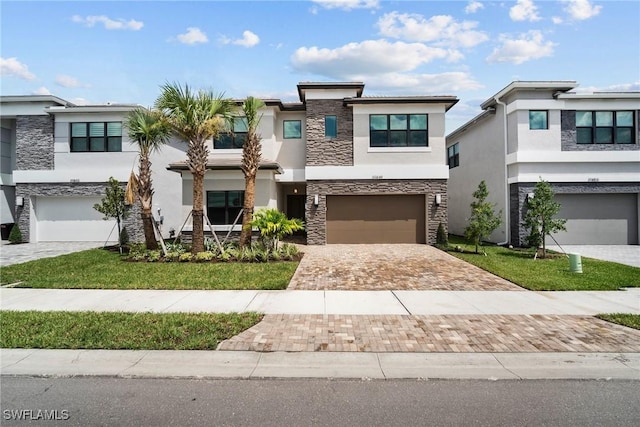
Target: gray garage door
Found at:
376, 219
598, 219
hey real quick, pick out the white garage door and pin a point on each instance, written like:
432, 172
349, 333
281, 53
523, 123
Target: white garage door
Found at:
598, 219
71, 219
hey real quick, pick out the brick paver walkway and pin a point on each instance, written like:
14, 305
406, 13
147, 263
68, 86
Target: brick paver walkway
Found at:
390, 267
447, 333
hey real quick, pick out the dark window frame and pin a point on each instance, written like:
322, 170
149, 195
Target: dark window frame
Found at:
453, 155
233, 140
229, 211
284, 130
333, 127
390, 136
88, 143
546, 120
592, 138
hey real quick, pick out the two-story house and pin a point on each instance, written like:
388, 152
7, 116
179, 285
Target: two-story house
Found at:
356, 169
586, 145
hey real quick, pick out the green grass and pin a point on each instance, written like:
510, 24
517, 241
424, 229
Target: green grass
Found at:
103, 269
519, 267
136, 331
630, 320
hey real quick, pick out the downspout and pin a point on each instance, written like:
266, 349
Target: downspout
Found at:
506, 173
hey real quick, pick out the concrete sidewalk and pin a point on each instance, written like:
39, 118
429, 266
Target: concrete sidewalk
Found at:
253, 365
326, 302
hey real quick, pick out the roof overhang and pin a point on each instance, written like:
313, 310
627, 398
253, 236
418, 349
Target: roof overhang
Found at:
449, 101
226, 165
304, 86
553, 85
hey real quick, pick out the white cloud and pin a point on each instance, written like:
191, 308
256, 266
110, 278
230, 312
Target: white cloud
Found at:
248, 39
68, 81
11, 67
429, 84
581, 9
524, 10
192, 36
109, 24
368, 57
473, 6
42, 91
443, 30
525, 48
557, 20
621, 87
347, 4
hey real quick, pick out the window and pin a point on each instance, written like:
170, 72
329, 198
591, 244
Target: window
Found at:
453, 156
538, 120
398, 130
292, 129
234, 139
223, 207
330, 126
605, 127
96, 136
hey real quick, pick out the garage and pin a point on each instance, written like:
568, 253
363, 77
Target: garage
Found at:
376, 219
71, 219
598, 219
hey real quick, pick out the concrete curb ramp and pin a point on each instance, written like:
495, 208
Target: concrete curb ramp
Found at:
252, 365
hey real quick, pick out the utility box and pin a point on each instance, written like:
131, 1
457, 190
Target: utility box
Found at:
575, 263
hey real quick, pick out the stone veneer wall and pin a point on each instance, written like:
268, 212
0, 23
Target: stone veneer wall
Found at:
518, 194
316, 217
322, 151
133, 222
568, 136
34, 142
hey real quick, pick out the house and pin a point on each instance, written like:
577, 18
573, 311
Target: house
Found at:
356, 169
586, 145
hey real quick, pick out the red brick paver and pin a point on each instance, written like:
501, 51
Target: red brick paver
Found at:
446, 333
390, 267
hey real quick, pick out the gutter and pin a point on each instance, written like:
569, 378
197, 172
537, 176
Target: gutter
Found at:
506, 173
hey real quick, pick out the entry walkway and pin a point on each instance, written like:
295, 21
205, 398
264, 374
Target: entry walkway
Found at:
16, 254
623, 254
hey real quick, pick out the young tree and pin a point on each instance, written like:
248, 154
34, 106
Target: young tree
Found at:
483, 220
196, 117
150, 130
113, 205
274, 225
251, 153
539, 217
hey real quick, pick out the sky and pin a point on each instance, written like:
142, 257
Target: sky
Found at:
94, 52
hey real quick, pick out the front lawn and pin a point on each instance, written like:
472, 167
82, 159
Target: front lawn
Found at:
115, 331
519, 267
630, 320
104, 269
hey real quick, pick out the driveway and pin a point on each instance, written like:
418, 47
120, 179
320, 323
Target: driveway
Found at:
623, 254
390, 267
16, 254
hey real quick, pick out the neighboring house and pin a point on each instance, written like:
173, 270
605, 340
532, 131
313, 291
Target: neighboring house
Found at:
356, 169
585, 145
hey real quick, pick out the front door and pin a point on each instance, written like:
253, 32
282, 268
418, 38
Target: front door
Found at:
295, 206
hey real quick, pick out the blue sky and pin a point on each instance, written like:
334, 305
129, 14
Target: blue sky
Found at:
122, 51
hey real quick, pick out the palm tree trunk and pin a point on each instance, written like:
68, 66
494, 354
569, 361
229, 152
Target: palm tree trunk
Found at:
149, 234
197, 244
247, 212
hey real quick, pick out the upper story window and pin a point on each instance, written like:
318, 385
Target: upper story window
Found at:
330, 126
96, 136
538, 119
453, 156
398, 130
605, 127
234, 139
292, 129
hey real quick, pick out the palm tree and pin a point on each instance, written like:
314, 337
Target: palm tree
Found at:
150, 130
196, 116
251, 153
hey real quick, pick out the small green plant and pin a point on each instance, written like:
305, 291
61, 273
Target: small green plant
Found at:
124, 236
441, 236
289, 251
185, 257
175, 248
204, 256
154, 256
172, 256
274, 225
15, 235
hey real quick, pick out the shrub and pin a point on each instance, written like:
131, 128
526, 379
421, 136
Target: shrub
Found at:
204, 256
185, 257
177, 248
441, 236
274, 225
154, 256
137, 249
289, 251
172, 256
15, 235
124, 236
